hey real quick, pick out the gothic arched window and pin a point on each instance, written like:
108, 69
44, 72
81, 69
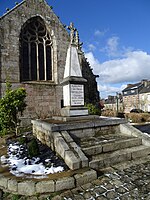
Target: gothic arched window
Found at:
35, 51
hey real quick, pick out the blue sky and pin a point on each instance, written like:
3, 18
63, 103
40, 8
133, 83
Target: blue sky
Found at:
115, 36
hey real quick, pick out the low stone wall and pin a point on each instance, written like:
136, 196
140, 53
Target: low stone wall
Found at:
33, 187
128, 129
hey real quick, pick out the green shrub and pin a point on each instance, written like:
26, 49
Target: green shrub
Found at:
22, 140
93, 109
16, 197
33, 149
11, 105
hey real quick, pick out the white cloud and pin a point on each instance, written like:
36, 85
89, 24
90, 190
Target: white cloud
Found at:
112, 47
91, 47
107, 89
100, 33
93, 61
134, 67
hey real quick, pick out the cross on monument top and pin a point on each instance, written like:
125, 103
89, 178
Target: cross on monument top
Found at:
72, 32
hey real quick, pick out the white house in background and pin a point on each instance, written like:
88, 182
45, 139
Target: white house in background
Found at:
137, 96
144, 97
114, 103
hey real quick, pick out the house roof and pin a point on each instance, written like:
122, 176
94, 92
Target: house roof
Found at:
145, 89
132, 86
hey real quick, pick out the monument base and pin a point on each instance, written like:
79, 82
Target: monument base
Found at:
74, 111
76, 118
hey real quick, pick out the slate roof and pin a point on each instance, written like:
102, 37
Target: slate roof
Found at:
132, 86
145, 89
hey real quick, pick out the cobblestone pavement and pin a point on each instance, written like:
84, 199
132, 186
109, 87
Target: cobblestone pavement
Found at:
130, 183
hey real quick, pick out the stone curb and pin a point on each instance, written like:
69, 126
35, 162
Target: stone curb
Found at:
33, 187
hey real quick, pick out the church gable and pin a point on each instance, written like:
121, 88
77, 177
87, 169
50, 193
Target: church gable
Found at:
33, 50
12, 25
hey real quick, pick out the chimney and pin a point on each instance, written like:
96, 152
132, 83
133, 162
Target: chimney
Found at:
145, 82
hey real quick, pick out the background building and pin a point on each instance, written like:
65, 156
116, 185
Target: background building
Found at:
137, 96
114, 103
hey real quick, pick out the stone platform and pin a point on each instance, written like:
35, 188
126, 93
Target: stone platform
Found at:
94, 143
97, 151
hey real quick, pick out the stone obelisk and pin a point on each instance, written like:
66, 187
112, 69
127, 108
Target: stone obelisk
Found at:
73, 82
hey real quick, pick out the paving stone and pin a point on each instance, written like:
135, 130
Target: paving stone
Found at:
111, 195
77, 190
121, 190
87, 195
102, 198
126, 197
134, 193
129, 186
77, 197
68, 194
87, 186
117, 183
100, 190
97, 182
109, 186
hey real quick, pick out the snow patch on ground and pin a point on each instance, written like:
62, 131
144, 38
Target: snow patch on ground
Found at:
19, 165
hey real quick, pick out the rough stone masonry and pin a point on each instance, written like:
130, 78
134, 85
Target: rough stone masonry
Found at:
33, 50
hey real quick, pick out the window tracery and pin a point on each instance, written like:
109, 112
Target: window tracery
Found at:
36, 45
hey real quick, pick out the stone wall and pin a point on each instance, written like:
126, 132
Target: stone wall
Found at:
43, 98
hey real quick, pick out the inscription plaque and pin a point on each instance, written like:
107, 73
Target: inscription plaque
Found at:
77, 95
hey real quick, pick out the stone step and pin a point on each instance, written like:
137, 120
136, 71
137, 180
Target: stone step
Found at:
102, 139
110, 146
108, 159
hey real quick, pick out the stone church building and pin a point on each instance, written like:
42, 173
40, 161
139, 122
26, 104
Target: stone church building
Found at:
33, 49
